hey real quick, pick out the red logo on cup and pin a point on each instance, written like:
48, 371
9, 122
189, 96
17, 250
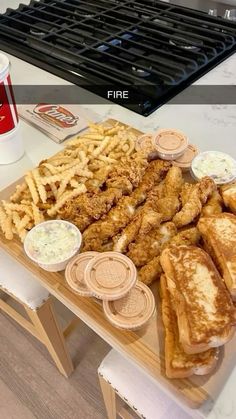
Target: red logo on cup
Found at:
57, 115
8, 113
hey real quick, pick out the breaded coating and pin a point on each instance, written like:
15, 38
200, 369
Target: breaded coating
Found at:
229, 196
150, 272
187, 236
185, 193
148, 246
190, 210
198, 197
128, 234
101, 203
206, 188
168, 207
120, 183
173, 182
214, 205
150, 219
157, 208
124, 211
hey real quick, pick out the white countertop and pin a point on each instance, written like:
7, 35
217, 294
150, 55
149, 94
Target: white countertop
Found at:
209, 127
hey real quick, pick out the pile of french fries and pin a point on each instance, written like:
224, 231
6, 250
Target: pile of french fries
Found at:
83, 164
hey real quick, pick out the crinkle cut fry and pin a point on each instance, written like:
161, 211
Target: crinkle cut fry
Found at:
121, 215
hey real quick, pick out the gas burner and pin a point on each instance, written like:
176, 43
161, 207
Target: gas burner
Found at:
140, 72
187, 46
152, 47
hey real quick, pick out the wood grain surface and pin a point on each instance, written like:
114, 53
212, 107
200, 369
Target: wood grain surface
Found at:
32, 387
144, 347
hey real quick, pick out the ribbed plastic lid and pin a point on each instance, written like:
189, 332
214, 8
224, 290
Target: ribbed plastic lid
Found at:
170, 142
185, 161
110, 275
75, 271
132, 311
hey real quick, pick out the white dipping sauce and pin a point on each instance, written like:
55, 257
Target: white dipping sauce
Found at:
219, 166
52, 242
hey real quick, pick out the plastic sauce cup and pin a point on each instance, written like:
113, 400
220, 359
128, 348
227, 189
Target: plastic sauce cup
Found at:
221, 167
170, 143
47, 245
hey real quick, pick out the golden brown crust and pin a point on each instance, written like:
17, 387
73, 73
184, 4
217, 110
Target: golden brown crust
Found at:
204, 309
178, 363
229, 196
213, 206
198, 196
219, 235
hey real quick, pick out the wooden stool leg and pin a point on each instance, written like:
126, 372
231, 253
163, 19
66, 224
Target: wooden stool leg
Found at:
109, 397
45, 322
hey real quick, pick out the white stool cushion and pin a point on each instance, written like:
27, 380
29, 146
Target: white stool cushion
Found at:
138, 389
15, 279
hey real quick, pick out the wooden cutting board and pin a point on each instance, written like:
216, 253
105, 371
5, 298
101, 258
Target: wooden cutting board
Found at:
144, 347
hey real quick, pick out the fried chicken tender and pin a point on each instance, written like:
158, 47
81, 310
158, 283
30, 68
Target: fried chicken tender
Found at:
155, 210
149, 246
95, 245
168, 207
155, 172
150, 272
198, 197
190, 210
150, 219
128, 234
120, 183
115, 220
140, 225
188, 236
213, 205
122, 214
130, 168
206, 188
173, 182
119, 180
168, 203
185, 193
100, 204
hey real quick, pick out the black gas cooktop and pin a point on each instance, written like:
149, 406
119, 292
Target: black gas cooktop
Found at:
149, 48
